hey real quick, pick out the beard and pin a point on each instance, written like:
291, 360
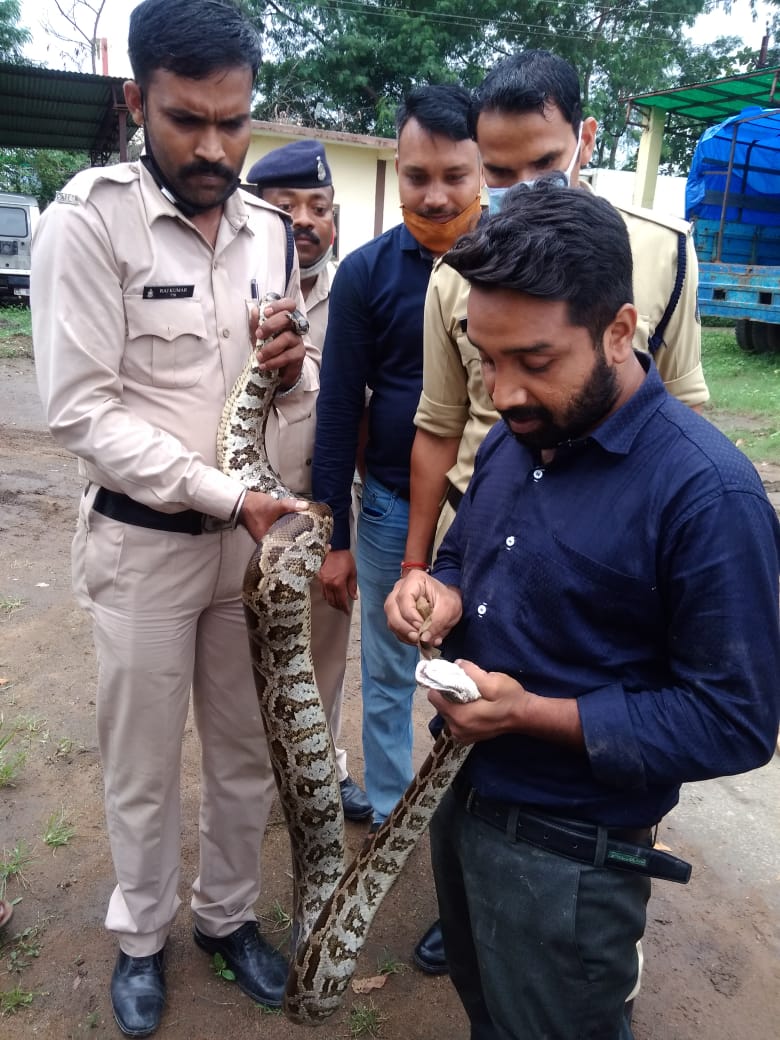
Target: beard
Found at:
585, 411
187, 195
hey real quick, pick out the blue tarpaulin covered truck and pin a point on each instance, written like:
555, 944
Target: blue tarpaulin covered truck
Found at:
733, 200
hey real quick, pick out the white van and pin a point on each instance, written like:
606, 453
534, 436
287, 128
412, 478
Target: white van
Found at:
18, 217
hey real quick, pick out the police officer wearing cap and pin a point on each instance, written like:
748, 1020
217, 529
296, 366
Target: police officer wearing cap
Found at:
297, 179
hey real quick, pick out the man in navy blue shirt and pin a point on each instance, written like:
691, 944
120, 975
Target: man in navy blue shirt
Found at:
374, 342
610, 582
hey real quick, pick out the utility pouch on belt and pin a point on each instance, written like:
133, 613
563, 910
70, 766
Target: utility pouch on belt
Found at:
652, 862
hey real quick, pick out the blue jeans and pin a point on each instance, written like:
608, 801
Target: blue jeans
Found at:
537, 945
387, 665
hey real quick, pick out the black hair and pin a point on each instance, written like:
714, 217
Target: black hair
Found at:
440, 108
555, 243
191, 38
529, 82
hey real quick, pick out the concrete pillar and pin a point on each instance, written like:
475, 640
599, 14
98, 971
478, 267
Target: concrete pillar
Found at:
649, 156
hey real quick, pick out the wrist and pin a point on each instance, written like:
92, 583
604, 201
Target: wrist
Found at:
412, 565
235, 516
283, 392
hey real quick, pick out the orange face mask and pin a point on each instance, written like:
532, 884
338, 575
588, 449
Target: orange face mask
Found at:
438, 237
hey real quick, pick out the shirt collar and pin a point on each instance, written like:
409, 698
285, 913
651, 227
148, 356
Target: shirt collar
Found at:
618, 433
234, 210
321, 288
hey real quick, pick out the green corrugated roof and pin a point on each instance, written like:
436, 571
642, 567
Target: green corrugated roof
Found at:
717, 99
49, 108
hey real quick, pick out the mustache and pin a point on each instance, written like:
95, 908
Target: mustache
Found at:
520, 415
207, 169
309, 234
432, 214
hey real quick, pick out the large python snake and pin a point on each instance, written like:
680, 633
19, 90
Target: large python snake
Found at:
333, 906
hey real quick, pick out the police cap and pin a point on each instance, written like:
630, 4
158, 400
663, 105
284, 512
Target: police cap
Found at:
302, 164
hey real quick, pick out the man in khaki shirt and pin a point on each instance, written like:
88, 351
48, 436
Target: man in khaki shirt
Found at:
297, 179
527, 120
141, 276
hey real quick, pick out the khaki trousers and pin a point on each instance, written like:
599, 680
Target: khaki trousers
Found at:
167, 620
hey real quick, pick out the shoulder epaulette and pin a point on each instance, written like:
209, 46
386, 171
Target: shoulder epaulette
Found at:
79, 188
666, 220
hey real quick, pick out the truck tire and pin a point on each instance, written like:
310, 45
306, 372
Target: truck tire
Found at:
744, 333
765, 337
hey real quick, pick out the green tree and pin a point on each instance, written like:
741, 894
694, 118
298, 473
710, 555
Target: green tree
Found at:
38, 171
345, 64
12, 36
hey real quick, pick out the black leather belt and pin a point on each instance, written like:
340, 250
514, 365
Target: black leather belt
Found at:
454, 497
117, 506
618, 848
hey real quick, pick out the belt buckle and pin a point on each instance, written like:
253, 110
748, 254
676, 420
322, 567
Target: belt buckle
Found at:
212, 524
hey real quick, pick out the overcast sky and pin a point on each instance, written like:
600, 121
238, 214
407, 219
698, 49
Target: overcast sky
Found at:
116, 14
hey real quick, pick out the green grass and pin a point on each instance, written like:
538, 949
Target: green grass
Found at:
15, 331
25, 948
744, 394
11, 1000
387, 964
11, 759
277, 919
13, 864
365, 1020
58, 830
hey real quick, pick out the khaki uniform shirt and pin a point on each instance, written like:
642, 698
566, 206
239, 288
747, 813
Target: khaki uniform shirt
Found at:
454, 402
296, 432
141, 329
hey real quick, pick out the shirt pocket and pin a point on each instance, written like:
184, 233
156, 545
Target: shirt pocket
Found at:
612, 600
166, 341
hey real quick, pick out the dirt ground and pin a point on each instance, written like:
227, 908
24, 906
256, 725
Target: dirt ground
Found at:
712, 948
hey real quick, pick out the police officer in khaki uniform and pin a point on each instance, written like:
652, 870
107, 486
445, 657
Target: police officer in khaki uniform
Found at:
141, 276
527, 120
297, 178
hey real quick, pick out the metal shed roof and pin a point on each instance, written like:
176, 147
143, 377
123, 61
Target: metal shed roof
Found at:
75, 111
717, 99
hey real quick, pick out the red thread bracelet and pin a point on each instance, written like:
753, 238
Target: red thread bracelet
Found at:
413, 566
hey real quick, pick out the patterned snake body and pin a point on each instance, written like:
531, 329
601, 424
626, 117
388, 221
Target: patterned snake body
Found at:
333, 907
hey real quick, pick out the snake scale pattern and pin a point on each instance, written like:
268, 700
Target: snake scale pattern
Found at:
333, 904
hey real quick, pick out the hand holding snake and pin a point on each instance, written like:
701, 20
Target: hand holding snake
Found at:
333, 907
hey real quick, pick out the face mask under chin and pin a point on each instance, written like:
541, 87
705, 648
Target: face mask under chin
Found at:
438, 237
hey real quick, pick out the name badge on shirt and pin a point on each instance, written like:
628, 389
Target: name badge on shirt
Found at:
168, 292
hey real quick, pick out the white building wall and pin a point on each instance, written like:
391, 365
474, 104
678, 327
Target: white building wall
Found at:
618, 187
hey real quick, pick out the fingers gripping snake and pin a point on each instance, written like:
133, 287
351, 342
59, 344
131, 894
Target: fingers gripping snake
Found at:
333, 906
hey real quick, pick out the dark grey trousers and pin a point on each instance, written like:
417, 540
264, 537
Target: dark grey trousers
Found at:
539, 947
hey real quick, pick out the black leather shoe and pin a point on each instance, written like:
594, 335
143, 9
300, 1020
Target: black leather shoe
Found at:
260, 970
138, 993
429, 952
353, 798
